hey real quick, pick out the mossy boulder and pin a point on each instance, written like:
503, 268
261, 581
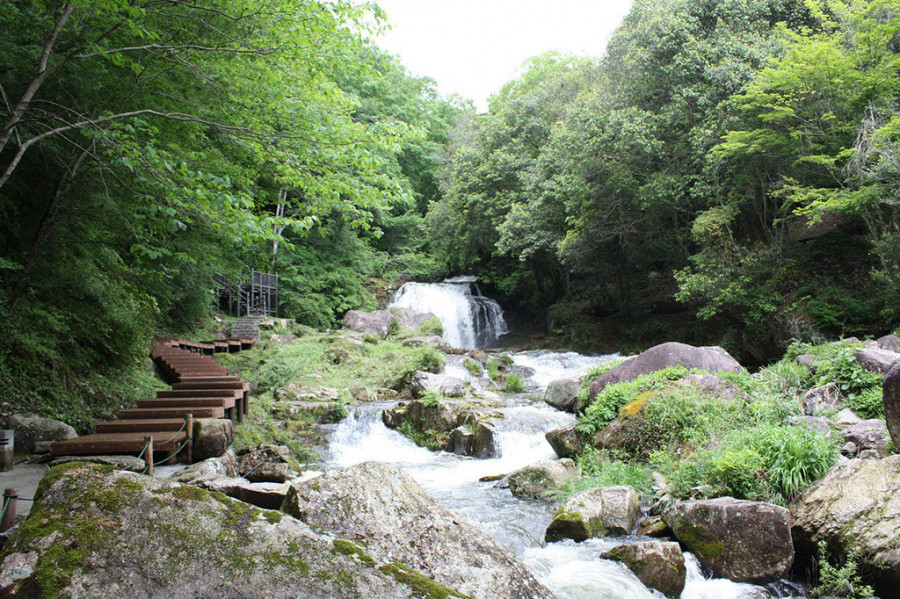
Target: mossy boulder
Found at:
95, 531
386, 511
657, 564
745, 541
531, 482
596, 512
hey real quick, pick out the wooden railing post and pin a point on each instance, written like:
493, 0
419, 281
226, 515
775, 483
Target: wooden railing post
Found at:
148, 455
11, 500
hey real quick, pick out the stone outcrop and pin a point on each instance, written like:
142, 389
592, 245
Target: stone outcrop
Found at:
446, 385
710, 359
532, 481
453, 425
212, 437
657, 564
596, 512
876, 360
746, 541
99, 532
386, 511
32, 431
855, 506
891, 395
561, 393
376, 323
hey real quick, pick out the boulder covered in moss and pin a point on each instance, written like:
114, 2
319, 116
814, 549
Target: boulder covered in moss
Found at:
596, 512
567, 441
745, 541
96, 531
386, 511
532, 481
657, 564
856, 506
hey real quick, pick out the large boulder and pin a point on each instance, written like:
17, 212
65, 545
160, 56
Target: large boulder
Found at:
531, 482
208, 469
32, 430
855, 506
212, 437
561, 393
389, 513
596, 512
378, 323
566, 441
265, 463
891, 395
99, 532
746, 541
657, 564
876, 360
890, 343
446, 385
709, 359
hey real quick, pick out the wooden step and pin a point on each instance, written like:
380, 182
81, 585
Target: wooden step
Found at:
206, 385
187, 402
233, 393
198, 412
112, 443
136, 425
209, 379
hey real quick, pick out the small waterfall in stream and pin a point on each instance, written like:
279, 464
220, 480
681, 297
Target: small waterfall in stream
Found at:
471, 321
571, 570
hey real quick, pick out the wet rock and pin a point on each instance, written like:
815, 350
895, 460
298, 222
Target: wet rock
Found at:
265, 464
653, 526
462, 441
745, 541
387, 511
566, 441
486, 446
31, 429
212, 437
377, 323
819, 399
657, 564
596, 512
855, 506
531, 482
446, 385
876, 360
561, 393
891, 395
192, 544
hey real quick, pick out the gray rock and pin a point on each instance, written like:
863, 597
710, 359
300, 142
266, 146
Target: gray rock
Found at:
807, 360
876, 360
108, 533
866, 434
813, 423
268, 496
891, 395
297, 392
846, 417
124, 462
566, 441
31, 429
409, 319
657, 564
486, 445
745, 541
855, 506
715, 386
265, 464
849, 449
819, 399
709, 359
531, 482
446, 385
561, 393
890, 343
210, 468
596, 512
389, 513
323, 412
377, 323
462, 441
212, 437
435, 340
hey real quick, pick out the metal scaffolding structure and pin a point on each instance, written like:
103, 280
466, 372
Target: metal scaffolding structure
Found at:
256, 297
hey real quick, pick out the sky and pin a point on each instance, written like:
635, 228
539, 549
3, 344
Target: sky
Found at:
473, 47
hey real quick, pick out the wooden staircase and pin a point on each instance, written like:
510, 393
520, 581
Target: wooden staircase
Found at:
201, 388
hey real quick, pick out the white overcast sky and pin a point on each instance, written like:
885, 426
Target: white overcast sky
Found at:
473, 47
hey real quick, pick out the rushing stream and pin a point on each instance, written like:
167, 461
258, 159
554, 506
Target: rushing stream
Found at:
571, 570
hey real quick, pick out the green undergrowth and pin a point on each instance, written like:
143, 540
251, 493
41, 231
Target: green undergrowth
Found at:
604, 468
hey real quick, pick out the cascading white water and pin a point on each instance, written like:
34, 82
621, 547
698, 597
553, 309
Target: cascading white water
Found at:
471, 321
571, 570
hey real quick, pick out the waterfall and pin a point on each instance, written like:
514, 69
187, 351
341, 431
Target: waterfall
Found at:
471, 321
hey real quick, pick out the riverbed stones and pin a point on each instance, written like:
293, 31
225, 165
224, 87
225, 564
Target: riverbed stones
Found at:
385, 510
709, 359
212, 437
855, 506
891, 395
531, 482
32, 430
745, 541
99, 532
657, 564
596, 512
